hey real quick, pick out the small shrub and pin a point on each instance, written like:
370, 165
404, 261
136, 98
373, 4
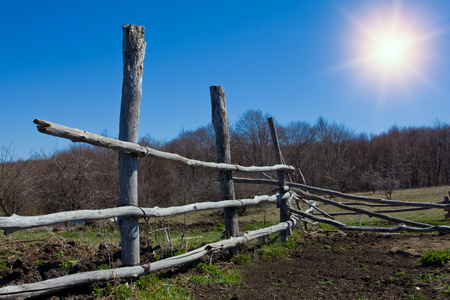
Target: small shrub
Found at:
435, 258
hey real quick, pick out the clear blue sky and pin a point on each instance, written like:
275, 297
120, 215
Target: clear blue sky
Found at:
61, 61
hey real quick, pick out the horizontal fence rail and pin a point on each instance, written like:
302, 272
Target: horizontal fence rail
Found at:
442, 205
16, 222
400, 227
77, 135
57, 284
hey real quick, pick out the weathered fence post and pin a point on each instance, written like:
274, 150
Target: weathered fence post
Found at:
133, 66
447, 210
222, 129
284, 214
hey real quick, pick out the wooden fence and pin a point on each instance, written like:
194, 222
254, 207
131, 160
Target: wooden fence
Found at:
129, 212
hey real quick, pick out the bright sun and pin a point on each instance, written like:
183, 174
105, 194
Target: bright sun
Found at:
389, 50
388, 46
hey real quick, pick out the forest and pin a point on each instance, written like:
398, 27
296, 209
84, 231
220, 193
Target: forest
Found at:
327, 155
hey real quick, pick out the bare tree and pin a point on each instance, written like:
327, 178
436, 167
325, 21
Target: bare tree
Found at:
15, 182
252, 137
79, 178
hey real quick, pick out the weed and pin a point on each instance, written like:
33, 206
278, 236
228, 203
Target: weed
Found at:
393, 278
38, 263
59, 254
123, 292
103, 267
401, 273
426, 277
4, 251
3, 266
432, 276
290, 243
435, 258
327, 282
67, 263
446, 289
97, 292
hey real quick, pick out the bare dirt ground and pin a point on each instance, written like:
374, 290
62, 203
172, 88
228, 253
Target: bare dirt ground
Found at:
337, 265
324, 265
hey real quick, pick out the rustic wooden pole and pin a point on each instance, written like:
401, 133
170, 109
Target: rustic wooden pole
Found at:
284, 214
133, 66
222, 129
447, 210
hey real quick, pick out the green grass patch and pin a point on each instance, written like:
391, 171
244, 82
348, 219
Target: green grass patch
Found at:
150, 287
327, 226
219, 227
212, 274
242, 259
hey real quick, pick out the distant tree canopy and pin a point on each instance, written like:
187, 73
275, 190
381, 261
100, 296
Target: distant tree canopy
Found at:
329, 155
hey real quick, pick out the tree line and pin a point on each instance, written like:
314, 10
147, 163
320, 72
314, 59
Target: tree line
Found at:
327, 155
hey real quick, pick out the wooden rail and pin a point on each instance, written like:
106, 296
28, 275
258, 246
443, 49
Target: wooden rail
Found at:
77, 135
16, 222
443, 205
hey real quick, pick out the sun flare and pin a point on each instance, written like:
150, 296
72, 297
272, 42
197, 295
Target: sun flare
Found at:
391, 51
388, 46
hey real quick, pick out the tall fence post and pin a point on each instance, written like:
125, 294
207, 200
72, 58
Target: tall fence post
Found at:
284, 215
222, 129
133, 66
